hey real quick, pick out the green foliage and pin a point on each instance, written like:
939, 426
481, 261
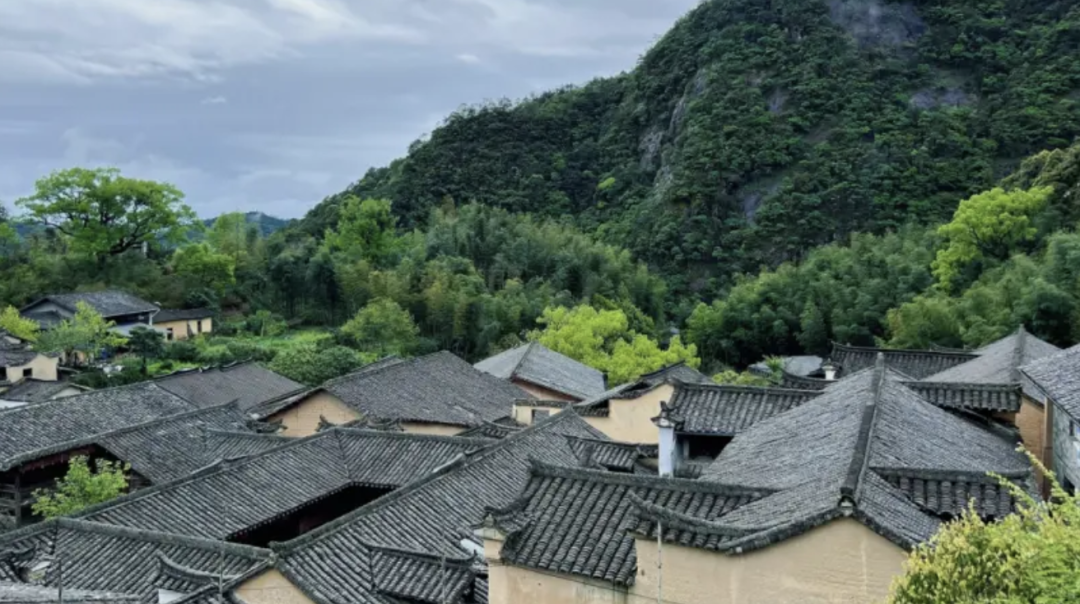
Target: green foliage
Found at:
383, 328
1030, 556
82, 487
102, 213
603, 340
308, 364
199, 266
365, 231
13, 323
750, 378
988, 227
184, 351
86, 333
148, 343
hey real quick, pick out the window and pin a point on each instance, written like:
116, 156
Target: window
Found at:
199, 324
169, 334
538, 414
27, 372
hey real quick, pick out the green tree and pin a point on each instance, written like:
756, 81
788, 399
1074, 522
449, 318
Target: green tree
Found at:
231, 235
925, 321
1030, 556
86, 333
365, 230
383, 328
604, 340
147, 343
308, 364
200, 266
13, 323
990, 226
104, 214
750, 378
82, 487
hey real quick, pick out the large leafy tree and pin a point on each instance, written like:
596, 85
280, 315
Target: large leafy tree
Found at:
87, 333
82, 487
13, 323
147, 343
988, 227
201, 267
1032, 556
309, 364
103, 214
383, 328
603, 339
365, 231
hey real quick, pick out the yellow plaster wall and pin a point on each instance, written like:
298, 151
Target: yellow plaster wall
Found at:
181, 329
270, 587
544, 394
302, 419
513, 585
1031, 420
842, 562
630, 420
523, 413
43, 368
433, 429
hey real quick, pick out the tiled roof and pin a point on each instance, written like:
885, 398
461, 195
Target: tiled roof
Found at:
537, 364
170, 314
1058, 376
40, 429
232, 444
439, 388
13, 354
235, 497
419, 577
250, 384
120, 560
604, 454
498, 429
801, 365
108, 303
32, 390
918, 364
797, 382
334, 562
948, 495
1000, 362
728, 410
830, 455
679, 373
45, 319
578, 522
22, 593
972, 397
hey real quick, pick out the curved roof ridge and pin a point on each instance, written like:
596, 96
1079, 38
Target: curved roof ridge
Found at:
927, 352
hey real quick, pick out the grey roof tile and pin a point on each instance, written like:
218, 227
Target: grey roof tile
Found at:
191, 314
23, 593
32, 390
999, 362
439, 388
1004, 398
100, 557
250, 384
233, 444
728, 410
39, 429
498, 429
14, 354
230, 498
537, 364
1058, 376
108, 303
333, 563
918, 364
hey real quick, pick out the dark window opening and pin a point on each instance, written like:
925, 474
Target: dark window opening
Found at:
538, 414
27, 373
704, 446
310, 516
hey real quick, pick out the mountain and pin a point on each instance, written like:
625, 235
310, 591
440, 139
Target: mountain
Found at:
267, 224
757, 129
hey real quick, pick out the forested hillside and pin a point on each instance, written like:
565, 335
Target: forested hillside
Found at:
756, 129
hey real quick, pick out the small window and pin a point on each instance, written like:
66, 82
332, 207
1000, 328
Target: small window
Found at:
539, 414
169, 334
27, 372
199, 323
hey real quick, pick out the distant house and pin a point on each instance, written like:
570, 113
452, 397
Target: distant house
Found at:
435, 394
124, 309
18, 362
247, 384
184, 324
820, 503
33, 390
544, 373
1055, 383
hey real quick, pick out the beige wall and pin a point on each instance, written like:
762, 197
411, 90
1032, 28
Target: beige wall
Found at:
630, 420
842, 562
302, 419
434, 429
524, 413
270, 587
1031, 421
42, 367
544, 394
513, 585
181, 329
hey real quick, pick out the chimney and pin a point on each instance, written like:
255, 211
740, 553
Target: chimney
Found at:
830, 371
668, 452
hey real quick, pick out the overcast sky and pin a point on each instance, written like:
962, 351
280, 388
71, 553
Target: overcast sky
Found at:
273, 104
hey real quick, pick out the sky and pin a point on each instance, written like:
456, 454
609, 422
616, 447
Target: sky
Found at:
271, 105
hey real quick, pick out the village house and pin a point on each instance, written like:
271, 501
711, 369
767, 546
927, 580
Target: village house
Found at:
249, 384
623, 413
545, 374
33, 390
1053, 384
184, 324
19, 361
864, 472
435, 394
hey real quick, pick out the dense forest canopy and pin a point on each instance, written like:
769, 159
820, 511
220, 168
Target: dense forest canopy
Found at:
771, 177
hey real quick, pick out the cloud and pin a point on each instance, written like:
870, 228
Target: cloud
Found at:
469, 58
214, 100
